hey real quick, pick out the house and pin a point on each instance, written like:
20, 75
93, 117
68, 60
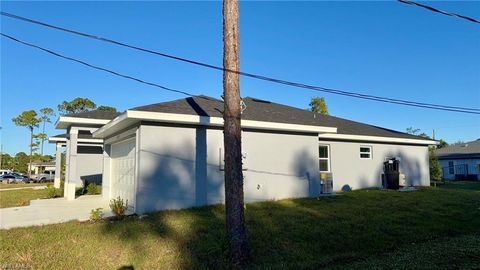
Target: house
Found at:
84, 154
460, 161
170, 155
38, 167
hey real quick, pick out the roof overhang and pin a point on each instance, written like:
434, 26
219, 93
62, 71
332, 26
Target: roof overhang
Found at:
365, 138
64, 122
458, 156
131, 117
80, 140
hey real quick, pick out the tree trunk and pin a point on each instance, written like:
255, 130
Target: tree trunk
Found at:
43, 132
237, 237
31, 152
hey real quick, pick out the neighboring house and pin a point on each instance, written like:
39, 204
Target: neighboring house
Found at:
460, 161
170, 155
84, 154
38, 167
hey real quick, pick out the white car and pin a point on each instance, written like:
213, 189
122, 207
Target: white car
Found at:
3, 172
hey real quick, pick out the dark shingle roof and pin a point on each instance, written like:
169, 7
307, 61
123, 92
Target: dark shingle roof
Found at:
96, 114
464, 150
261, 110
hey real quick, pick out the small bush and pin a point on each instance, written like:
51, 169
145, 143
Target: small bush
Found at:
51, 192
22, 203
118, 206
93, 189
96, 214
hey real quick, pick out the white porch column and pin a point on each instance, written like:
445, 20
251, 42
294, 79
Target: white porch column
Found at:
70, 177
106, 172
58, 166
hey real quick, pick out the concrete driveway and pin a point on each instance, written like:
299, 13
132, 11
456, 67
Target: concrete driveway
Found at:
50, 211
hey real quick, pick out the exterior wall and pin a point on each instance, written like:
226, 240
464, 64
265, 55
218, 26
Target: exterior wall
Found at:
82, 166
350, 171
166, 173
181, 167
472, 165
90, 168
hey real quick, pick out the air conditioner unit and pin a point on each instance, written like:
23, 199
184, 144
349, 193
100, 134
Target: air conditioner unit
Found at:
326, 183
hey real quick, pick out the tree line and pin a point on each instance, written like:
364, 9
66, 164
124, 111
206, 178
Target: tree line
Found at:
36, 122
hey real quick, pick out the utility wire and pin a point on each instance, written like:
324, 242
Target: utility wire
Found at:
95, 67
260, 77
439, 11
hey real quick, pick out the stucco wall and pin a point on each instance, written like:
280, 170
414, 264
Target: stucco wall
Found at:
89, 167
349, 169
166, 173
179, 167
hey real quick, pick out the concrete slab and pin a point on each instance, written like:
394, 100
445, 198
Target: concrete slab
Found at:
51, 211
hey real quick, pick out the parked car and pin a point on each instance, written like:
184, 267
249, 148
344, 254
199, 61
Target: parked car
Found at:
2, 172
12, 178
21, 176
43, 177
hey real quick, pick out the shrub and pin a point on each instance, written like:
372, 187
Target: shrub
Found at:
435, 168
51, 192
93, 189
96, 214
118, 206
22, 203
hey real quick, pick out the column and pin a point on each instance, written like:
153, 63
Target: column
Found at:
71, 177
58, 166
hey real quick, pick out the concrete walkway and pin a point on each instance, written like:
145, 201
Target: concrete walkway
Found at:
51, 211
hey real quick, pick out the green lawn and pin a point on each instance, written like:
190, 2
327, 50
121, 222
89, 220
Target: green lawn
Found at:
471, 185
12, 198
433, 228
4, 186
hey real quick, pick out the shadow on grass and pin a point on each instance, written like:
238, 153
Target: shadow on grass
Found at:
301, 233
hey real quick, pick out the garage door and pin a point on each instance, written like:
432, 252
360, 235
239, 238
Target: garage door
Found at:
123, 171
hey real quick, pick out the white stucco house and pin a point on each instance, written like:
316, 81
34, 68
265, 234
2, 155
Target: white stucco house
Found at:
170, 155
42, 167
84, 154
460, 161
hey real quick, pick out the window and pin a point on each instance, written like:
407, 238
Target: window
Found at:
83, 149
324, 158
365, 152
451, 168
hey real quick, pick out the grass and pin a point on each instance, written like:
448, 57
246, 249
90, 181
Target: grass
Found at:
13, 198
433, 228
470, 185
20, 185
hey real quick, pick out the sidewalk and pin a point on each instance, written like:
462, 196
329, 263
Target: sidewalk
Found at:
51, 211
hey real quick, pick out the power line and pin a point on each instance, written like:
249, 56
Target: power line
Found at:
154, 84
439, 11
95, 67
260, 77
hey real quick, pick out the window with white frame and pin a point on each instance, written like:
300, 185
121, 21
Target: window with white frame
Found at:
365, 152
324, 158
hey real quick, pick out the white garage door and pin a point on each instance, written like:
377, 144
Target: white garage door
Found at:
123, 171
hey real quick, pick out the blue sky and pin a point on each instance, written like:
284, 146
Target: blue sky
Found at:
379, 48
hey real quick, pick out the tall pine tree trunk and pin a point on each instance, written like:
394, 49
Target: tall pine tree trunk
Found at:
31, 152
237, 238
